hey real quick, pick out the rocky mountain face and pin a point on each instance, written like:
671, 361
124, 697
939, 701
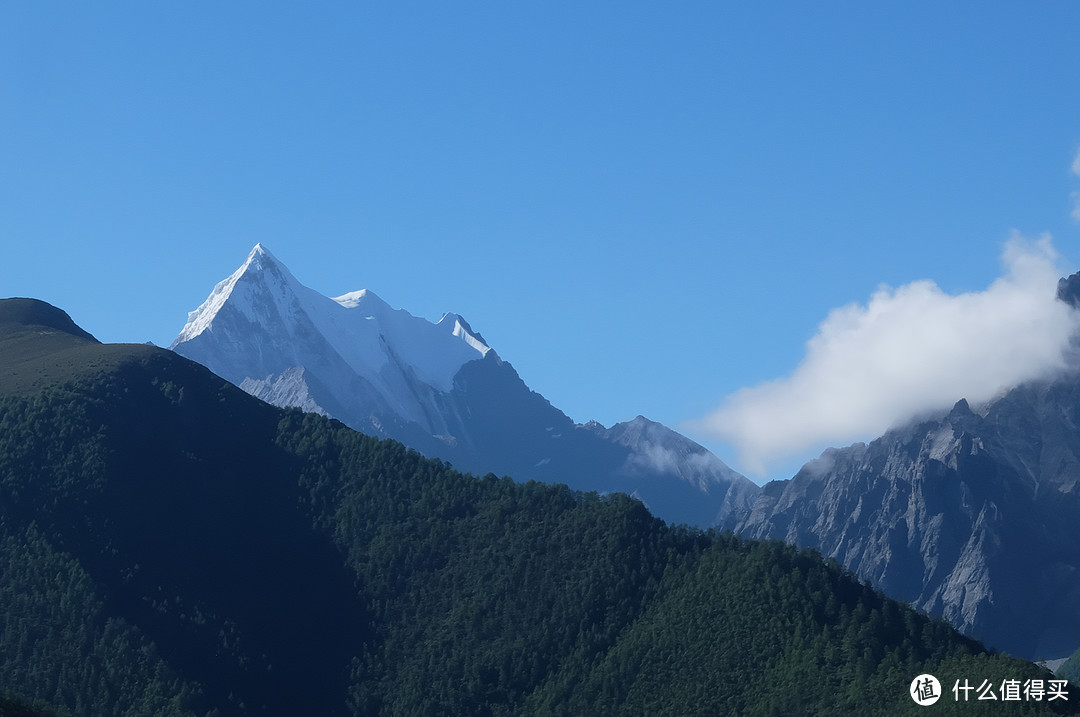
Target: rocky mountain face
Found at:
971, 515
438, 388
694, 474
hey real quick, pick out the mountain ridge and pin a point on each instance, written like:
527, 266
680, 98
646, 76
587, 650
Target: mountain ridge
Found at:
439, 388
175, 547
31, 314
968, 514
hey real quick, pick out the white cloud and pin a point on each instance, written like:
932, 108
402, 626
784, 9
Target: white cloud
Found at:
907, 351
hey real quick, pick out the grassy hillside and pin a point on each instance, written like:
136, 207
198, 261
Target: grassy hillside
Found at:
171, 546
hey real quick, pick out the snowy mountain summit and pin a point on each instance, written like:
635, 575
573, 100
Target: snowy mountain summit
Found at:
439, 388
264, 293
352, 357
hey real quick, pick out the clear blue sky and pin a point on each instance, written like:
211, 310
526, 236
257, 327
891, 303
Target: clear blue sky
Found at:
642, 206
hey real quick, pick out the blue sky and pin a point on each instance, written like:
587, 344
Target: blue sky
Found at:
643, 207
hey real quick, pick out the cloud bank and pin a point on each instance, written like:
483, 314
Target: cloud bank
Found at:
907, 351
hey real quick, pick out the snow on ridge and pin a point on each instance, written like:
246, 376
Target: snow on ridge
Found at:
201, 318
463, 331
363, 298
435, 356
365, 331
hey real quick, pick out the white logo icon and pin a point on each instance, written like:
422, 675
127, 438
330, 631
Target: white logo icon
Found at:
925, 690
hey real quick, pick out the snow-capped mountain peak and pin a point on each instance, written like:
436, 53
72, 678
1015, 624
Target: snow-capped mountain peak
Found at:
259, 260
438, 387
260, 322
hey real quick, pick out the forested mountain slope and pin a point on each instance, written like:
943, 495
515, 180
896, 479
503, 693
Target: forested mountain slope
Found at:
172, 546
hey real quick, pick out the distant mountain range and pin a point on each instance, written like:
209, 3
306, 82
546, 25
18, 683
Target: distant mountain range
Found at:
441, 389
973, 514
172, 547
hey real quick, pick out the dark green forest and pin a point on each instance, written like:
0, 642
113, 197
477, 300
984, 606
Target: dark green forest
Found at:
172, 546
